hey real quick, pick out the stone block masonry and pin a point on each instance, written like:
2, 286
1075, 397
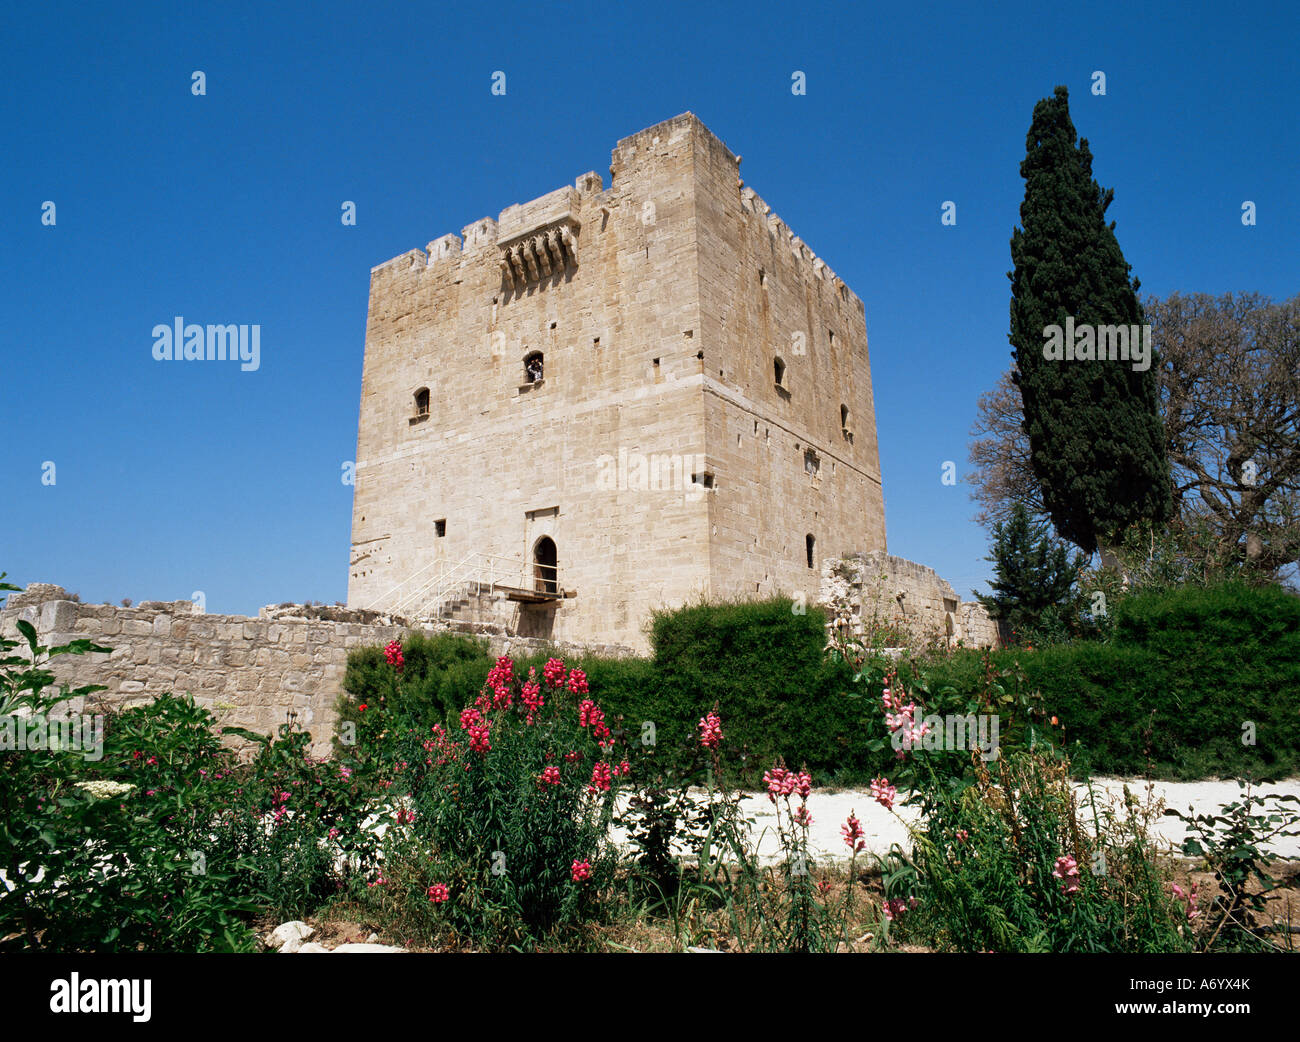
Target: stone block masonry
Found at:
250, 673
862, 591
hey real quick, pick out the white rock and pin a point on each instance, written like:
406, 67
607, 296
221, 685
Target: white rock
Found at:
312, 948
288, 937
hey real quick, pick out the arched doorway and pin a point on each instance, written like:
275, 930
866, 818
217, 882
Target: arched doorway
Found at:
545, 566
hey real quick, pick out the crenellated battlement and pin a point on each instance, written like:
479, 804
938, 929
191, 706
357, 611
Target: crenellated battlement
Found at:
535, 239
751, 202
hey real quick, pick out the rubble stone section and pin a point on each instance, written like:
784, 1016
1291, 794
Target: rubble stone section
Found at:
661, 306
250, 673
858, 589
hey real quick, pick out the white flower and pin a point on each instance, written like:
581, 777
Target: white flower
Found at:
103, 790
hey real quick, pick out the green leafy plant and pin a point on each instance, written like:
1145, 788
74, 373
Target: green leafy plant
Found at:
92, 859
1232, 842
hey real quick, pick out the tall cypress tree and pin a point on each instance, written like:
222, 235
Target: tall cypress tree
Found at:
1095, 436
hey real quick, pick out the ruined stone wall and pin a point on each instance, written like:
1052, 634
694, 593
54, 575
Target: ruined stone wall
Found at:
882, 592
658, 344
249, 672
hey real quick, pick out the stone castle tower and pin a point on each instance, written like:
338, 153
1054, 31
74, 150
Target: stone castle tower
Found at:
610, 400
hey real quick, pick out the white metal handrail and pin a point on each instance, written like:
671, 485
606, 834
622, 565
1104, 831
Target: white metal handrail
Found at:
482, 569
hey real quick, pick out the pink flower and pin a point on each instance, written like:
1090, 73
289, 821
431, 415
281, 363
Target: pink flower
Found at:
1065, 866
577, 682
580, 871
499, 679
1067, 871
852, 832
469, 716
896, 906
591, 715
549, 776
802, 817
532, 696
711, 730
478, 738
780, 782
553, 672
600, 775
884, 793
962, 835
393, 652
438, 893
1188, 898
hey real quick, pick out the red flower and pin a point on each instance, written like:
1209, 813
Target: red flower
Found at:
591, 715
438, 893
580, 871
478, 738
599, 778
553, 672
393, 652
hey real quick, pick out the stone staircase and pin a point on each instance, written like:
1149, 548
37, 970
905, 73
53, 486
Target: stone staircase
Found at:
472, 603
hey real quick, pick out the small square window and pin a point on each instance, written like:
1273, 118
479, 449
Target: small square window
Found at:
440, 528
705, 479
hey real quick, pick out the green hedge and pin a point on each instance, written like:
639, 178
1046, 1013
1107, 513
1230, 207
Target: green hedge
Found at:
1168, 693
777, 691
1172, 688
762, 664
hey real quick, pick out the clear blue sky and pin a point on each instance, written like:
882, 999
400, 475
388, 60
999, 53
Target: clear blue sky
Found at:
226, 207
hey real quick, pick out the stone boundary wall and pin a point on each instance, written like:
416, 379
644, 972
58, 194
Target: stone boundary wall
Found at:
858, 589
250, 673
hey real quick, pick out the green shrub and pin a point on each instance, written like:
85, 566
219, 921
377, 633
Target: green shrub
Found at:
490, 821
159, 839
1009, 863
440, 674
115, 852
1172, 691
